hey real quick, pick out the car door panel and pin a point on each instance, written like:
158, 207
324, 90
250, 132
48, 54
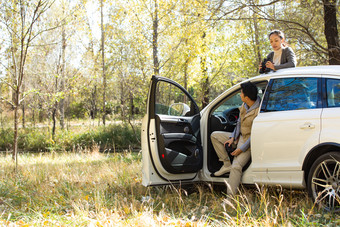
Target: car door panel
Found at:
281, 138
288, 125
171, 141
178, 145
331, 111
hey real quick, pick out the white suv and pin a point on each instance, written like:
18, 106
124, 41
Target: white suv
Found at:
295, 139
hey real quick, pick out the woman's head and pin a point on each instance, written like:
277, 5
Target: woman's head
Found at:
277, 39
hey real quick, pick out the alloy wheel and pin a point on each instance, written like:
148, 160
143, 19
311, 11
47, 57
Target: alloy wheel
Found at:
325, 183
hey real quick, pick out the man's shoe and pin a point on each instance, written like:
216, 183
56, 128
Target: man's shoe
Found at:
224, 169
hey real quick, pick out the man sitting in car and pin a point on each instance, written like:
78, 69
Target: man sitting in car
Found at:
240, 137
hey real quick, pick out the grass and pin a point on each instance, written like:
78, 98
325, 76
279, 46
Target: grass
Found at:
90, 188
109, 138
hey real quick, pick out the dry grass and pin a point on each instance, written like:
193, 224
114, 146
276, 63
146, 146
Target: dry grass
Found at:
89, 188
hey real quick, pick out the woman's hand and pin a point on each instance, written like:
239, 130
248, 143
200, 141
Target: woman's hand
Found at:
270, 65
260, 66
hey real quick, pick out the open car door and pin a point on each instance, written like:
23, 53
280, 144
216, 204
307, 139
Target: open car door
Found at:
171, 143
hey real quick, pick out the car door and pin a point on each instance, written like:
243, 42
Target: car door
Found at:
287, 127
171, 144
331, 111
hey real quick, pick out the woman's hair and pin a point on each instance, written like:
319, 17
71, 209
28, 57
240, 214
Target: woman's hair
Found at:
279, 34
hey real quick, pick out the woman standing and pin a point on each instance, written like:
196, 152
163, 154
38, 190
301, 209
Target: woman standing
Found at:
282, 56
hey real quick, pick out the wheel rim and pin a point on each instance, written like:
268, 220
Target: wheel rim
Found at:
326, 184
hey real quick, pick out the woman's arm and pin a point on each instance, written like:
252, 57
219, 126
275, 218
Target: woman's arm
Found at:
289, 59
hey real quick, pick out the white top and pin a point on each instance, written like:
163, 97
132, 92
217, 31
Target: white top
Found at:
277, 57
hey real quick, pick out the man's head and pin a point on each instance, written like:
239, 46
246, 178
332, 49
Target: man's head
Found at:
249, 90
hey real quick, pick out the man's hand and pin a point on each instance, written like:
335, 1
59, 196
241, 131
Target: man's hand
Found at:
236, 152
229, 142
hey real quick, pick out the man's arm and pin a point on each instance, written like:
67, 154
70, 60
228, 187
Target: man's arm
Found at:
237, 129
235, 134
245, 146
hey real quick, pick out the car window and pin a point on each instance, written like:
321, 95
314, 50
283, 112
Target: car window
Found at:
292, 94
234, 100
171, 100
333, 93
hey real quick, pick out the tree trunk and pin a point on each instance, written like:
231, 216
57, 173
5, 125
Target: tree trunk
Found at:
94, 103
33, 117
132, 105
23, 108
54, 121
331, 32
186, 77
256, 39
15, 141
62, 81
103, 61
23, 113
40, 113
16, 121
205, 83
186, 74
155, 41
122, 101
206, 91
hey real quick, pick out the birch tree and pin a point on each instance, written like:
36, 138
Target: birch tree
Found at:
22, 20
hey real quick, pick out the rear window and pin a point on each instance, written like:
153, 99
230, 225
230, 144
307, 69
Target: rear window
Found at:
292, 94
333, 93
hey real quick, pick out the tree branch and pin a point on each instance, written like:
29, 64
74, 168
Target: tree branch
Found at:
7, 101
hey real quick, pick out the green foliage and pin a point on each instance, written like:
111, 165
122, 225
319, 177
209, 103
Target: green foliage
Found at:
6, 138
76, 111
109, 138
36, 140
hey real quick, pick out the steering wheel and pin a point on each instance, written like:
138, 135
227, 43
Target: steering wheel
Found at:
232, 116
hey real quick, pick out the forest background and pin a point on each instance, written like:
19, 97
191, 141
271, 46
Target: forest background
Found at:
74, 76
64, 61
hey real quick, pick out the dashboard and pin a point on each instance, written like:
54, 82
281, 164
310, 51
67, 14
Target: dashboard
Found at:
225, 120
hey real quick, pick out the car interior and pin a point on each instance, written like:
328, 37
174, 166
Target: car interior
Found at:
333, 93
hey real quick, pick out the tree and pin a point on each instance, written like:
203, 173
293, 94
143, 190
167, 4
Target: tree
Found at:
62, 72
301, 20
21, 19
331, 31
51, 77
103, 59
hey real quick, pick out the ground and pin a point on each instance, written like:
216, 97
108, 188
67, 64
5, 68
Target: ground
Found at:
89, 188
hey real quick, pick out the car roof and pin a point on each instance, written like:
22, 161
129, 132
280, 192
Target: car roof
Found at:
333, 70
308, 70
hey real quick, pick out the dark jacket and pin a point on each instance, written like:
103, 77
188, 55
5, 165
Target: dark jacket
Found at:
288, 58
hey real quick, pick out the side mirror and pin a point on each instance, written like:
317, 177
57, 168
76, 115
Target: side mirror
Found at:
178, 109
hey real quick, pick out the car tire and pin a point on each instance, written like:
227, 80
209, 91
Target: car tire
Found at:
324, 181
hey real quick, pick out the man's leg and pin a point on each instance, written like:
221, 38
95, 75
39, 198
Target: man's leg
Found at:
236, 169
218, 138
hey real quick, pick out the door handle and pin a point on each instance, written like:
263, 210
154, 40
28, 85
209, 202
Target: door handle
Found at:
182, 121
307, 126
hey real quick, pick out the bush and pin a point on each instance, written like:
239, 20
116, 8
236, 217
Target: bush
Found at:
109, 138
76, 111
31, 139
6, 139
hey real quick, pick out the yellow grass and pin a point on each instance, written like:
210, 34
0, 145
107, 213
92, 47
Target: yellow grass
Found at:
94, 189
